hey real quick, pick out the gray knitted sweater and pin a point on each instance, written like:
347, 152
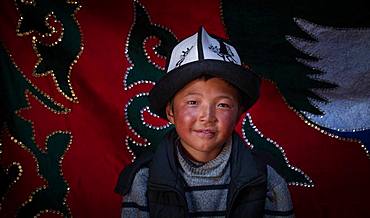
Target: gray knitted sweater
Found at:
207, 188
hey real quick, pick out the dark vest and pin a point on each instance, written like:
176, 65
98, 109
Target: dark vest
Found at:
165, 193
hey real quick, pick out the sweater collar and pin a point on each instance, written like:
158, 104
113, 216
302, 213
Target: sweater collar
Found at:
213, 168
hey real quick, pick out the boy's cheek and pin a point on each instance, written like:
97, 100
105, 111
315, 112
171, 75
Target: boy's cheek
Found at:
229, 116
187, 112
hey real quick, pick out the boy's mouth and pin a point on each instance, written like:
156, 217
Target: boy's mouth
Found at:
208, 133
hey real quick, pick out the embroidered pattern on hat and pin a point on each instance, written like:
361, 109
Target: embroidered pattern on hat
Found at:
227, 54
183, 55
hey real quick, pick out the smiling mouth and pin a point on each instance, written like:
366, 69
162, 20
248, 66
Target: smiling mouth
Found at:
207, 133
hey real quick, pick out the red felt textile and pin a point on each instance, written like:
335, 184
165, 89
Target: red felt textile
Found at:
339, 169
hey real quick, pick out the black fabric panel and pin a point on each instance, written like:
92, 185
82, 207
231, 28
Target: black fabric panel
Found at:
199, 45
127, 175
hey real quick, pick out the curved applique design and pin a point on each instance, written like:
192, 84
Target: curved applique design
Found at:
144, 70
16, 87
274, 154
56, 58
8, 177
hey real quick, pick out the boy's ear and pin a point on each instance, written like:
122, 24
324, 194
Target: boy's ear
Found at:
169, 113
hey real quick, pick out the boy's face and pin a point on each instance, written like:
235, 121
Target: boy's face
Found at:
205, 113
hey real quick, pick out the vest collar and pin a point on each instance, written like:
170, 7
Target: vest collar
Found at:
164, 167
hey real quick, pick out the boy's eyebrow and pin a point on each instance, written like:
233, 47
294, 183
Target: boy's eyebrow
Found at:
192, 93
226, 96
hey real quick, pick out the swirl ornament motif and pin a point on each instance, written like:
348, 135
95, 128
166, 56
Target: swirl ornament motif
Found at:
8, 177
21, 132
58, 57
57, 42
144, 70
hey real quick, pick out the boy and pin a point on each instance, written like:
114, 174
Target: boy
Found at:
202, 168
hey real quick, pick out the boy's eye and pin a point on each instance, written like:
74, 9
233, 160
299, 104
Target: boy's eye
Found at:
224, 105
191, 102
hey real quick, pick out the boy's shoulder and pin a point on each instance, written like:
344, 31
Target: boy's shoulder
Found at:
274, 178
138, 170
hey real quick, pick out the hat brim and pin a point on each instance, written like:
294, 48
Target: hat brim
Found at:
245, 80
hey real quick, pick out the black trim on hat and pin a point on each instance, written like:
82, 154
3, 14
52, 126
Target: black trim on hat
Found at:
223, 49
244, 79
199, 44
168, 58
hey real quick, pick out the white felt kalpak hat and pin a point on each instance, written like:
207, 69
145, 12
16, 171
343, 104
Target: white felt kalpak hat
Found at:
198, 55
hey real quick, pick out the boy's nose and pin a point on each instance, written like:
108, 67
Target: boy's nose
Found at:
207, 113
